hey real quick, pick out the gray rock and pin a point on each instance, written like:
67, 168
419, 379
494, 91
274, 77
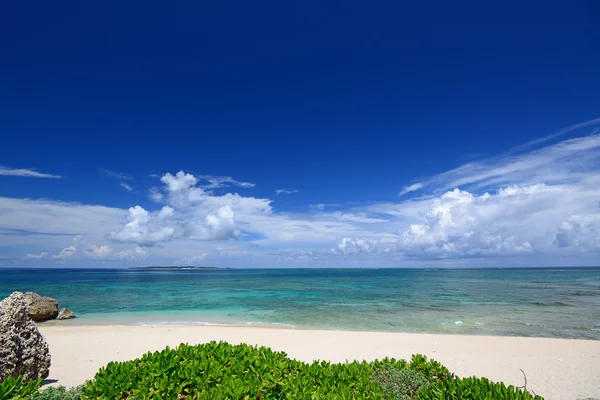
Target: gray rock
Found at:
65, 313
41, 308
23, 349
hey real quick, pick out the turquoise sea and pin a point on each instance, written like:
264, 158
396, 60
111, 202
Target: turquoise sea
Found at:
561, 303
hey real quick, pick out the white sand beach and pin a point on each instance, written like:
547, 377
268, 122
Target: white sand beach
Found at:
558, 369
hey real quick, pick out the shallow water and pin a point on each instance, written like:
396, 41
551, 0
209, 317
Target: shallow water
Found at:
533, 302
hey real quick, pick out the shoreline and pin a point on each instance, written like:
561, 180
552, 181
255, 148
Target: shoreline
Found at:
555, 368
129, 321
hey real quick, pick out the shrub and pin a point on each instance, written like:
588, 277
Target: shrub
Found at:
473, 389
58, 393
400, 384
218, 371
18, 388
224, 371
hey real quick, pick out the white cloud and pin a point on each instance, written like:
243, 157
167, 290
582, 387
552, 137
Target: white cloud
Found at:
579, 231
194, 259
199, 215
218, 225
412, 188
146, 229
126, 186
561, 132
117, 175
355, 246
178, 182
286, 191
36, 256
98, 252
65, 254
217, 182
26, 173
156, 195
537, 205
132, 255
513, 221
54, 218
567, 161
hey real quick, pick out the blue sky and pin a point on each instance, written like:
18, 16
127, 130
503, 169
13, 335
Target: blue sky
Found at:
299, 134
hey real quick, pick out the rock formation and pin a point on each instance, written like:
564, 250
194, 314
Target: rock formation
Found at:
23, 349
65, 313
41, 308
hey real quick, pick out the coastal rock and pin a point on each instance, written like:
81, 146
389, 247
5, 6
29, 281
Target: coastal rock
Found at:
65, 313
41, 308
23, 349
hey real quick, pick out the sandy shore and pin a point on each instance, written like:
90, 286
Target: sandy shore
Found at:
557, 369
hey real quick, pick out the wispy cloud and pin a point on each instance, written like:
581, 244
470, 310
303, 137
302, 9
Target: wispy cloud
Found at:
126, 186
26, 173
114, 174
587, 124
36, 256
562, 162
286, 191
217, 182
412, 188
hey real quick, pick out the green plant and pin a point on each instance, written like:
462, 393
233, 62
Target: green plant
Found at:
218, 371
400, 384
18, 388
58, 393
473, 388
223, 371
432, 369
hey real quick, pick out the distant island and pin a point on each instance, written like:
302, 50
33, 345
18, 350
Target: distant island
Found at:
175, 267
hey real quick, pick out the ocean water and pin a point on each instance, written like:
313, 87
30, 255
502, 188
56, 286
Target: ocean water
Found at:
561, 303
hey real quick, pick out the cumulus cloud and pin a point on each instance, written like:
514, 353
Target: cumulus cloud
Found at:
355, 246
132, 255
513, 221
460, 224
579, 231
25, 173
36, 256
191, 213
218, 225
155, 195
98, 252
146, 229
65, 254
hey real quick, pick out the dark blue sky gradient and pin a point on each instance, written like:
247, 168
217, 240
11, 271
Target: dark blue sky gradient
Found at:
335, 99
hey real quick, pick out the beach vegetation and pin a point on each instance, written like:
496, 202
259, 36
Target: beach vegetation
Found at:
400, 384
218, 371
223, 371
18, 387
58, 393
473, 388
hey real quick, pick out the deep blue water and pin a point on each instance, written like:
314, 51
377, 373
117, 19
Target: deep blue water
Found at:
523, 302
